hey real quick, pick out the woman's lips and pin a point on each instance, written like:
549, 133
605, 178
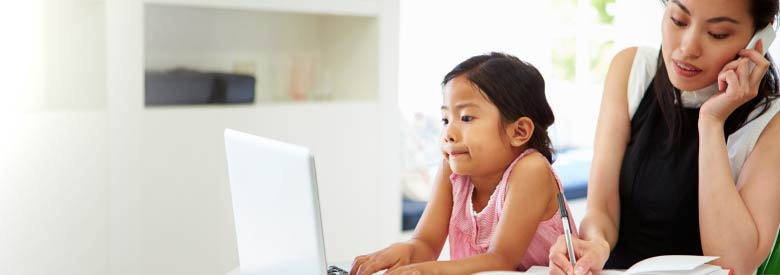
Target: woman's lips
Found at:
685, 69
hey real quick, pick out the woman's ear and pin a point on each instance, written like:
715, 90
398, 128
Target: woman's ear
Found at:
520, 131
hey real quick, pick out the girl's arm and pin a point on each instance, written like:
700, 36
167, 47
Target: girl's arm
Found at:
530, 199
428, 238
738, 225
599, 228
433, 227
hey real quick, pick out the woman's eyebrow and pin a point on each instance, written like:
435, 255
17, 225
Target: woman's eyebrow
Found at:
711, 20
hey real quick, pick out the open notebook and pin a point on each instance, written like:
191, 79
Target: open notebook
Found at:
660, 265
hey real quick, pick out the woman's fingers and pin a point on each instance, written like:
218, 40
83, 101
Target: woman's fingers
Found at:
727, 78
732, 66
559, 265
559, 260
584, 264
756, 56
583, 251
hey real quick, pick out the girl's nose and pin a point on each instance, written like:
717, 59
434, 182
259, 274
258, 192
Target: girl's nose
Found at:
449, 134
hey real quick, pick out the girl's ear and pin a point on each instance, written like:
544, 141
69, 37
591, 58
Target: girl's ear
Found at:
520, 131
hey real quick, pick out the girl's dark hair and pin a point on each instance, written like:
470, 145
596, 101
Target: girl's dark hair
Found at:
516, 88
763, 12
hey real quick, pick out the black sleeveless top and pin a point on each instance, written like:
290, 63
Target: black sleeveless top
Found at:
658, 188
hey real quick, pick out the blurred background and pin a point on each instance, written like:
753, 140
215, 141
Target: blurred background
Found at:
112, 112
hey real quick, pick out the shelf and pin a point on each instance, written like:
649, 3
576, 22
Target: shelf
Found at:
338, 7
294, 57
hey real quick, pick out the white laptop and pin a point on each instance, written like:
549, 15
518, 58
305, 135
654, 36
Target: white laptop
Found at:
275, 206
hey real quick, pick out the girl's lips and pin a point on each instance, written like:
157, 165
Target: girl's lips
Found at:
685, 69
457, 154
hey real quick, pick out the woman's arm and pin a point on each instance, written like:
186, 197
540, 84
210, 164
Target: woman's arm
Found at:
530, 199
612, 134
599, 228
738, 225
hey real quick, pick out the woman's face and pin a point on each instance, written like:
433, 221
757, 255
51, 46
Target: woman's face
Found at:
701, 36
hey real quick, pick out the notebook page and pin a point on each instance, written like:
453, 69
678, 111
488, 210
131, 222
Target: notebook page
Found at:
669, 263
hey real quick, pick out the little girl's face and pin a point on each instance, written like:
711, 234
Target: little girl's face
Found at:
474, 141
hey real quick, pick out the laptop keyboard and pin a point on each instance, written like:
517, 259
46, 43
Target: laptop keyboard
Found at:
334, 270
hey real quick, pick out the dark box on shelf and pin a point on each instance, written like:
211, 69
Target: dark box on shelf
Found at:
188, 87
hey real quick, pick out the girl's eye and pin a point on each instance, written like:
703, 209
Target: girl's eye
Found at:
719, 36
677, 22
466, 118
444, 121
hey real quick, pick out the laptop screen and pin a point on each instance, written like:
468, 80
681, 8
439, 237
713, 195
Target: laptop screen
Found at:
275, 206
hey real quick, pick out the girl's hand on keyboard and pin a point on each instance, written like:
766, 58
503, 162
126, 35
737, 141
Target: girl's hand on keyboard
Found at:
426, 268
390, 258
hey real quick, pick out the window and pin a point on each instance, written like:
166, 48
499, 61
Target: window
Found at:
571, 43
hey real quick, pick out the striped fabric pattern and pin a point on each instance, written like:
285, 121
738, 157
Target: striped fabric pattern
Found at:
470, 233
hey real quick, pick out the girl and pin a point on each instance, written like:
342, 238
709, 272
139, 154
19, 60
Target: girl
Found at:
500, 206
679, 172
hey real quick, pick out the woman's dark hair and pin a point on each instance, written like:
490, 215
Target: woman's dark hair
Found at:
516, 88
763, 12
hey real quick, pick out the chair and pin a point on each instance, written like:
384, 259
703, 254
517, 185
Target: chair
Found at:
772, 263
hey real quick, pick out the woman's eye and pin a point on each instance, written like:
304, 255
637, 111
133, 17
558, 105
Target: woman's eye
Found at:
444, 121
466, 118
719, 36
677, 22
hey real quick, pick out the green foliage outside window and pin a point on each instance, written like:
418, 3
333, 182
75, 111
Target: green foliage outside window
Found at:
601, 7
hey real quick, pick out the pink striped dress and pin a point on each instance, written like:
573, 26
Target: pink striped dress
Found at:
470, 233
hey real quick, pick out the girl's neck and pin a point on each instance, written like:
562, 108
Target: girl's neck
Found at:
485, 185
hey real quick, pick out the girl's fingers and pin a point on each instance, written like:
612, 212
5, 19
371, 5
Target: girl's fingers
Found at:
357, 263
370, 268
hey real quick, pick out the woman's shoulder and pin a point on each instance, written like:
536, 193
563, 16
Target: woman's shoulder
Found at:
616, 83
630, 73
625, 56
620, 66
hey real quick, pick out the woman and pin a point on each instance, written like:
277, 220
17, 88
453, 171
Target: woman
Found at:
662, 181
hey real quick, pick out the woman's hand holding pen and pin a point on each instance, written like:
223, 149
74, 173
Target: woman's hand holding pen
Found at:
390, 258
591, 256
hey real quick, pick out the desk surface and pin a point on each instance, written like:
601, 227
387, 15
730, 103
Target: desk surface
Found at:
343, 265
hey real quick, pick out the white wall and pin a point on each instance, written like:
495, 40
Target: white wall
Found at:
53, 139
91, 182
169, 196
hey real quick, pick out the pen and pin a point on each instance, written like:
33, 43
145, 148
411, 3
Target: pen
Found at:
566, 229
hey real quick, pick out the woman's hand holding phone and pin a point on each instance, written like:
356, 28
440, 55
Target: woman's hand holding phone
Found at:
737, 84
